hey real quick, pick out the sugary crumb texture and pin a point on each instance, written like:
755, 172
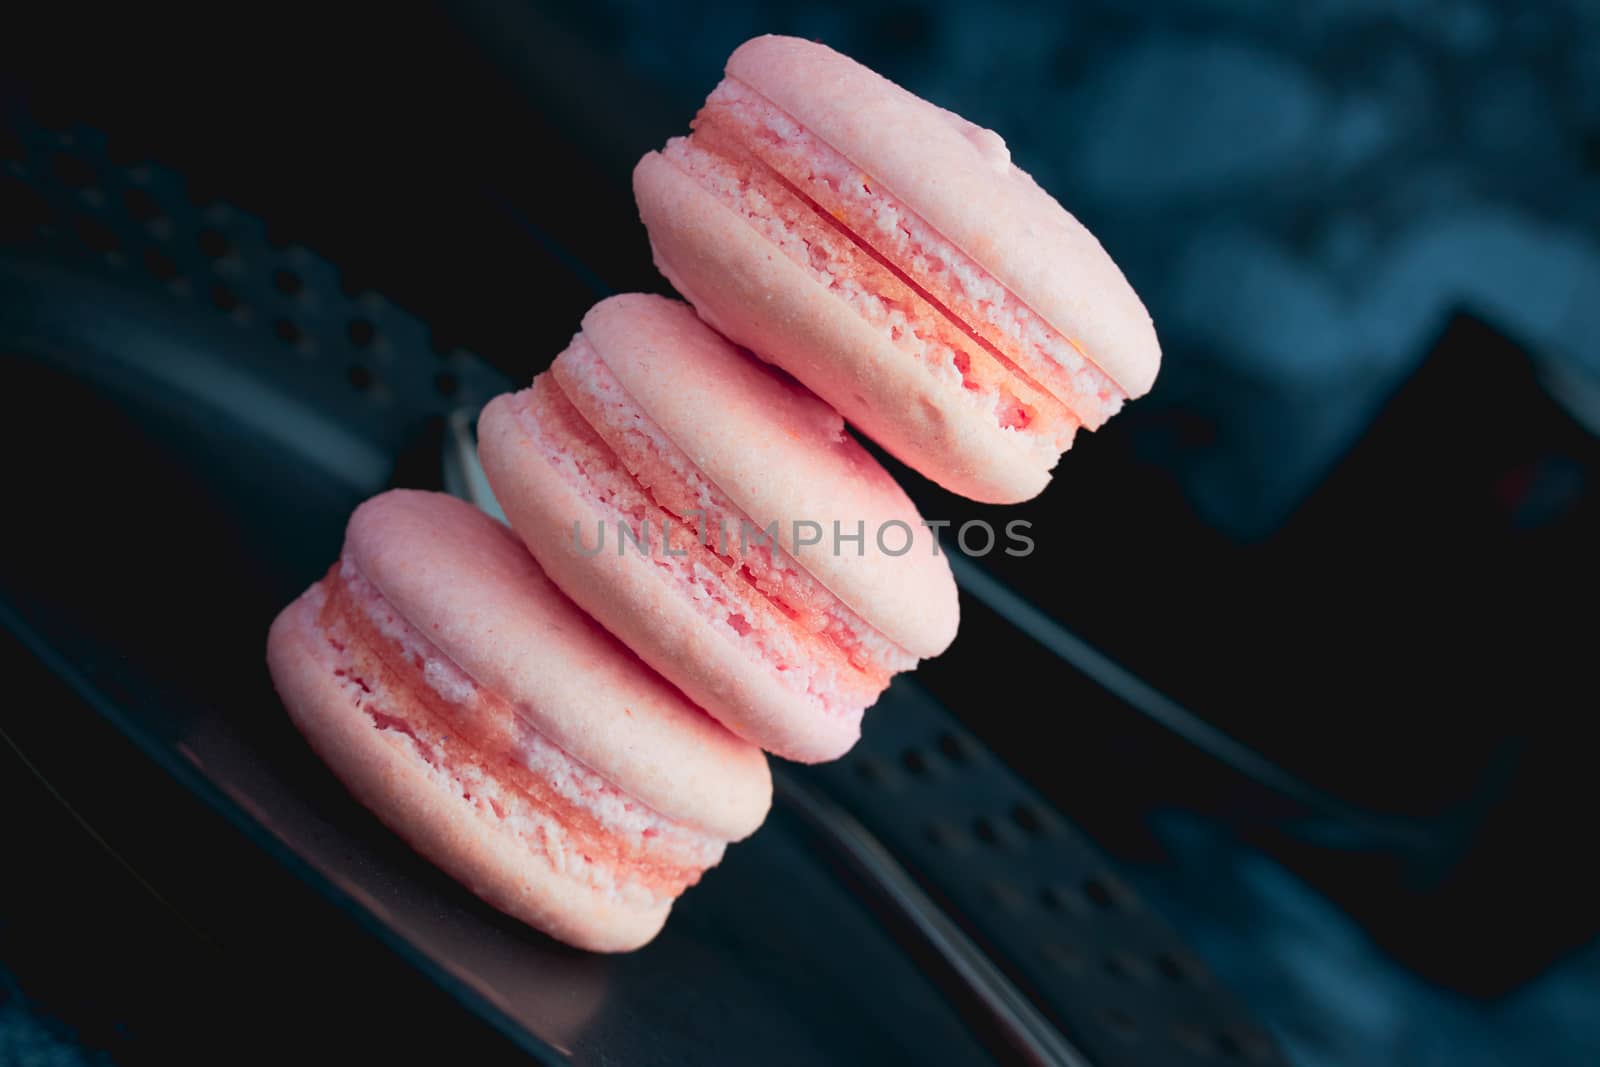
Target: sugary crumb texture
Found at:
924, 294
748, 590
474, 745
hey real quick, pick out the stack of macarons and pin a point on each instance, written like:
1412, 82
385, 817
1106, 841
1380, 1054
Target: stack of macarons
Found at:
568, 715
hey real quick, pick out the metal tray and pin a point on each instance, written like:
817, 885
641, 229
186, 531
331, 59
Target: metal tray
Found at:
230, 404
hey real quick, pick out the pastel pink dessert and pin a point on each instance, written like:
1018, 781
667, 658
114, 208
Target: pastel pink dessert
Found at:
652, 424
890, 256
504, 735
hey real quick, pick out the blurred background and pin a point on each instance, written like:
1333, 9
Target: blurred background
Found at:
1351, 535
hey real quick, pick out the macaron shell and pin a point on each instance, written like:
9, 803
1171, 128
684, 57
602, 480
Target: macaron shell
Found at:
396, 785
757, 297
648, 614
958, 178
782, 456
467, 583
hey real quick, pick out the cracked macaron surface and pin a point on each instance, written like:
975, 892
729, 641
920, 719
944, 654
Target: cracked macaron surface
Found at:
509, 739
652, 424
890, 255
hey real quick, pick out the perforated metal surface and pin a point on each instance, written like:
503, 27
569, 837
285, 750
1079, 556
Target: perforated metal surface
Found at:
1009, 869
1028, 884
65, 199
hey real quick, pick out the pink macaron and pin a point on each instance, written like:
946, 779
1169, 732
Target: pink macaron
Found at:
720, 520
504, 735
890, 256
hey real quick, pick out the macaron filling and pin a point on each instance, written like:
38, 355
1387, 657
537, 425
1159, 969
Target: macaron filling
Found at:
476, 745
748, 589
886, 301
958, 288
